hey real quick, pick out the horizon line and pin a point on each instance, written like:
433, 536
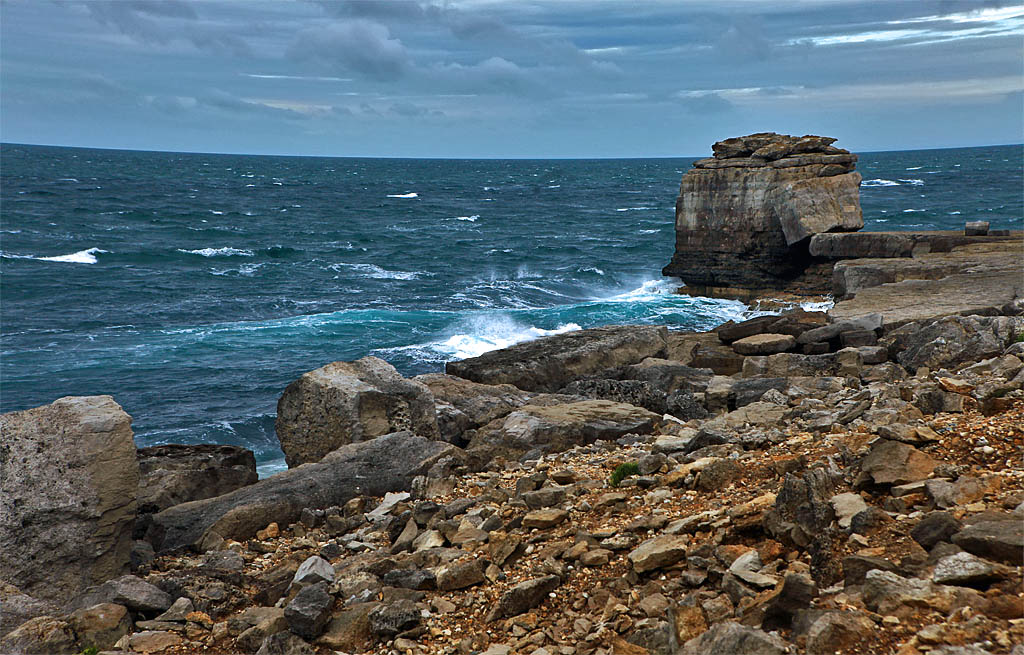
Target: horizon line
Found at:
487, 158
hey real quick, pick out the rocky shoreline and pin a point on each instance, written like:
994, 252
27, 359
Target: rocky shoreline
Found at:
844, 482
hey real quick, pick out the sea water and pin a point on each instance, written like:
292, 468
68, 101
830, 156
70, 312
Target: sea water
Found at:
194, 287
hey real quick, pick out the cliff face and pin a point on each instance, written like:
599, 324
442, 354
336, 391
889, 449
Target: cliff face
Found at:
744, 217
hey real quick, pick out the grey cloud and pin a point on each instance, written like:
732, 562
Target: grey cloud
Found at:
411, 110
705, 103
163, 22
358, 46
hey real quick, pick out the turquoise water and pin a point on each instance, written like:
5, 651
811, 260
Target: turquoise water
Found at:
194, 287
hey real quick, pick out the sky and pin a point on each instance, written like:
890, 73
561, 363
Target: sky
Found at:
507, 78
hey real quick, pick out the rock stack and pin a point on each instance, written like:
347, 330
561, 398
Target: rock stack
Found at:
744, 216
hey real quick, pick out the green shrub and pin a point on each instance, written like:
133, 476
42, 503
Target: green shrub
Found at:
622, 471
91, 650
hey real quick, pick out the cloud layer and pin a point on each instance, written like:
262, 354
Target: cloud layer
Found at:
507, 79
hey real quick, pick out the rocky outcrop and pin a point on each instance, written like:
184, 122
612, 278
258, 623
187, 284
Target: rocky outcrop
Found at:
744, 216
176, 473
349, 402
552, 429
386, 463
551, 363
67, 496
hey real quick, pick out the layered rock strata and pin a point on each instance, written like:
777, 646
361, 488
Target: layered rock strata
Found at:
744, 216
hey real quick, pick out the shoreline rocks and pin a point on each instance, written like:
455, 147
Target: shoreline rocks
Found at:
67, 496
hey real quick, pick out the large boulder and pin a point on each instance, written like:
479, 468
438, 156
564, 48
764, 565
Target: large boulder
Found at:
559, 427
464, 405
952, 340
550, 363
373, 468
67, 496
177, 473
349, 402
744, 217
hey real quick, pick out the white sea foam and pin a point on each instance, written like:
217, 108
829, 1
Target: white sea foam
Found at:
913, 182
411, 194
376, 272
472, 219
67, 179
219, 252
216, 213
80, 257
634, 209
910, 211
914, 168
649, 231
491, 332
879, 182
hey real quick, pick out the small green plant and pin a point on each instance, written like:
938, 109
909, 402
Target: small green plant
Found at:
89, 650
622, 471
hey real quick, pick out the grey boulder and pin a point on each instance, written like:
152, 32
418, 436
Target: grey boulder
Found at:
350, 402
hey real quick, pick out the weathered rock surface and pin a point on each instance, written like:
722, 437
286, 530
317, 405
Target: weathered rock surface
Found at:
464, 405
100, 626
559, 427
175, 473
550, 363
764, 344
730, 638
1001, 540
744, 221
67, 496
386, 463
43, 635
131, 591
952, 340
350, 402
525, 596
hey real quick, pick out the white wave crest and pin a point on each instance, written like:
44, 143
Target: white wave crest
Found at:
634, 209
649, 290
472, 219
487, 333
404, 195
913, 182
879, 182
376, 272
219, 252
910, 211
80, 257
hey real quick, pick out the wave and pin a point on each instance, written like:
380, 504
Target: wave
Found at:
635, 209
80, 257
472, 219
910, 211
404, 195
376, 272
914, 168
219, 252
913, 182
879, 182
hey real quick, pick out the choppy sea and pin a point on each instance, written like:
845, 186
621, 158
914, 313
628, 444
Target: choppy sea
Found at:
195, 287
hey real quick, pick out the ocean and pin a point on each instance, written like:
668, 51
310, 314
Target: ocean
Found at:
194, 287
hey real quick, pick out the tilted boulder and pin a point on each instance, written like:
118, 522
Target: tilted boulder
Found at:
373, 468
559, 427
349, 402
67, 496
952, 340
744, 217
176, 473
550, 363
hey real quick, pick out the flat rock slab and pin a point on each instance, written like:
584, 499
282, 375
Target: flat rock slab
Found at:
550, 363
764, 344
658, 552
176, 473
1002, 541
372, 468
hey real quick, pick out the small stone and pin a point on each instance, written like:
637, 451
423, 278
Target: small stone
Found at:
308, 612
596, 557
180, 609
154, 641
392, 618
1002, 541
459, 575
934, 528
764, 344
963, 569
658, 552
101, 625
544, 518
314, 569
524, 596
272, 531
846, 506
